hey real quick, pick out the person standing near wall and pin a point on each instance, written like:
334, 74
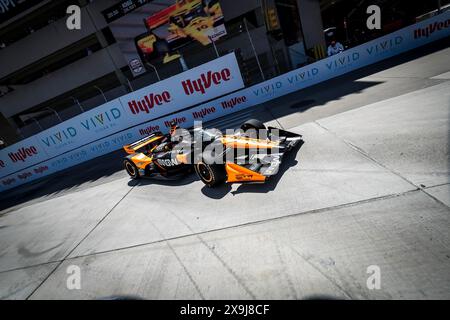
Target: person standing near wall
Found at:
335, 47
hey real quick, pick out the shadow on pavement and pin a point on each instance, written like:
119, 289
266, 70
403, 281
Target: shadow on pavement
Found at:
94, 172
180, 180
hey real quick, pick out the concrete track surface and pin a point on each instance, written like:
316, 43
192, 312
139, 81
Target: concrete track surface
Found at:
370, 187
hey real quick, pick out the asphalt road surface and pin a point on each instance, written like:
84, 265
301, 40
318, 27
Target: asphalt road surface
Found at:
370, 187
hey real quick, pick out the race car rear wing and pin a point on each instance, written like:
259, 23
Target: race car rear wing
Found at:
135, 146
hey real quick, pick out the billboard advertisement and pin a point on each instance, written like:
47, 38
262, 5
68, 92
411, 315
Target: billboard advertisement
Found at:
148, 33
179, 24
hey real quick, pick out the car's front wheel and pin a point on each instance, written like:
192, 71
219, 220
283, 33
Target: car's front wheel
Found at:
211, 174
131, 169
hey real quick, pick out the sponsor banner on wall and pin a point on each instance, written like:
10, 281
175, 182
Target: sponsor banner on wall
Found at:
21, 155
84, 128
376, 50
400, 41
27, 175
204, 113
69, 159
205, 82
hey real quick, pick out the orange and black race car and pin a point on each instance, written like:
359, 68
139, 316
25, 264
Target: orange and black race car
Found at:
251, 154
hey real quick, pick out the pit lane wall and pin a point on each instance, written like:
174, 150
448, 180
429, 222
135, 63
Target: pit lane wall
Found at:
108, 127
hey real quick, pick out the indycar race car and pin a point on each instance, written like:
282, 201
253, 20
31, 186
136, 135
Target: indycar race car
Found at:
252, 154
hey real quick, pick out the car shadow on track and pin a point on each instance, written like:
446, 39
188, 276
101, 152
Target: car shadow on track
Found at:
289, 161
180, 180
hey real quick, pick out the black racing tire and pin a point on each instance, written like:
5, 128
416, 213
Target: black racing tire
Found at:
211, 174
131, 169
253, 124
252, 127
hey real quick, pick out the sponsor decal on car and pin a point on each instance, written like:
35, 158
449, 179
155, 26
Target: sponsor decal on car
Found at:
244, 176
168, 162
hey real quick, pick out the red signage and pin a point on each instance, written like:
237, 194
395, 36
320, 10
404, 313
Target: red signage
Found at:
149, 102
206, 81
22, 154
233, 102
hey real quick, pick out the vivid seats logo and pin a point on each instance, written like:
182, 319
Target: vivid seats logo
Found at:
343, 61
303, 75
206, 81
60, 136
431, 28
385, 45
101, 119
268, 89
149, 102
22, 154
2, 164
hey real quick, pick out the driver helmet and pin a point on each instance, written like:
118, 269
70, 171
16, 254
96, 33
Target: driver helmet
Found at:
173, 127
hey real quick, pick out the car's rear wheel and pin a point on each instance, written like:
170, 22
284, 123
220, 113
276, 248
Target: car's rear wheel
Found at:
252, 127
253, 124
131, 169
211, 174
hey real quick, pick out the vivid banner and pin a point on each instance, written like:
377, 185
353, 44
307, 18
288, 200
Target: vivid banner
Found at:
84, 128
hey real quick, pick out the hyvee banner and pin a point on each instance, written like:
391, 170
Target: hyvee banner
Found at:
21, 155
182, 93
205, 82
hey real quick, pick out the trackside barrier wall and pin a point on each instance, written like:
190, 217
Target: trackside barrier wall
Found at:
69, 147
77, 139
